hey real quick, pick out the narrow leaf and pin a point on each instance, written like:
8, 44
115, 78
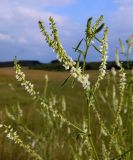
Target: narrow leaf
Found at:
78, 45
100, 28
65, 81
78, 61
73, 82
97, 49
89, 23
79, 51
98, 39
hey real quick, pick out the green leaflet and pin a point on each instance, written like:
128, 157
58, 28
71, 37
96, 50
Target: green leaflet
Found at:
100, 28
97, 49
98, 39
78, 45
79, 51
65, 81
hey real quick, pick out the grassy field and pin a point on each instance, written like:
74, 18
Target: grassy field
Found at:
12, 94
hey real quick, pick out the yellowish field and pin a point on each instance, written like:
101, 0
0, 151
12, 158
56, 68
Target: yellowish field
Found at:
12, 94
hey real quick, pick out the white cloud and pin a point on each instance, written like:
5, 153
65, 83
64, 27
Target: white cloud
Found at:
22, 20
5, 37
44, 3
19, 23
50, 3
27, 14
11, 13
121, 20
124, 2
123, 17
55, 2
8, 38
22, 40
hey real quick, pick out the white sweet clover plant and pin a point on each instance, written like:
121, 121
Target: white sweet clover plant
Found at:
78, 72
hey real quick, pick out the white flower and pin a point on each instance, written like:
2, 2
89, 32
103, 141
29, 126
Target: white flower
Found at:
66, 66
74, 75
86, 84
8, 135
103, 72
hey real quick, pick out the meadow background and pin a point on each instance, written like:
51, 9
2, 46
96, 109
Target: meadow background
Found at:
58, 140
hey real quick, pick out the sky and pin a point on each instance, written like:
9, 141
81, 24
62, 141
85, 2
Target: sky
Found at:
20, 35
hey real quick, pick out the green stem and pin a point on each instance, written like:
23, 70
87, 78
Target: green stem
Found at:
123, 154
132, 139
84, 62
131, 127
93, 147
89, 126
77, 128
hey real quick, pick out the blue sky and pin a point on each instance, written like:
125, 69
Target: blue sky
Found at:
21, 37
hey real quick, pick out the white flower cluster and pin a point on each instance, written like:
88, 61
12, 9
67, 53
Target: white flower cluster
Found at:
102, 68
10, 134
62, 56
122, 80
104, 47
46, 104
66, 60
83, 79
103, 50
76, 72
20, 76
28, 86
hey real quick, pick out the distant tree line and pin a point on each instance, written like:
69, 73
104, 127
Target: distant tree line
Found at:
56, 65
24, 63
